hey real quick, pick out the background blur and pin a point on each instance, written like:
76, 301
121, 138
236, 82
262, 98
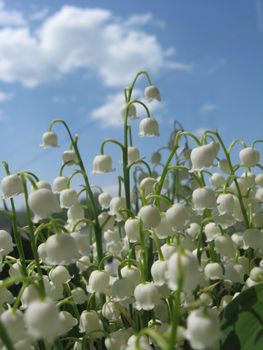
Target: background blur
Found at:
71, 59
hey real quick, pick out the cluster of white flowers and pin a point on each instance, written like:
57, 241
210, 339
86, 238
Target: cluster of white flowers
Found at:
164, 257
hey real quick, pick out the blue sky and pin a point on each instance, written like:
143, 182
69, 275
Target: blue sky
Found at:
71, 59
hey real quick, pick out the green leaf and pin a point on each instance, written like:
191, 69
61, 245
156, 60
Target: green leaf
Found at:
242, 321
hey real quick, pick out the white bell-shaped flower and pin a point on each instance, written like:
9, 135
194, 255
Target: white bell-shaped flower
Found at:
193, 229
212, 231
132, 229
83, 263
111, 311
249, 157
149, 127
43, 203
259, 180
183, 265
204, 156
131, 110
102, 164
122, 290
42, 184
5, 296
253, 238
150, 216
147, 185
98, 282
117, 339
60, 183
256, 274
217, 180
61, 249
203, 198
90, 323
79, 296
225, 203
259, 195
11, 186
42, 252
15, 269
49, 139
151, 93
42, 320
133, 273
69, 157
6, 243
68, 197
234, 273
177, 216
146, 296
106, 221
75, 212
104, 199
168, 250
111, 235
133, 154
116, 204
164, 229
14, 324
67, 322
225, 246
59, 275
30, 294
156, 158
82, 242
213, 271
203, 329
158, 272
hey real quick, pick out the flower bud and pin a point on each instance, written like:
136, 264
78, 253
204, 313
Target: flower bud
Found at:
150, 216
102, 164
147, 185
149, 127
151, 93
133, 154
217, 180
49, 139
225, 203
11, 186
249, 157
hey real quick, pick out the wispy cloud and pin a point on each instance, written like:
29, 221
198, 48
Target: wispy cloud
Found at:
208, 108
39, 14
221, 62
6, 96
10, 17
143, 19
64, 42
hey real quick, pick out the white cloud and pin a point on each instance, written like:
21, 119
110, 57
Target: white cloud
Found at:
81, 38
208, 108
143, 19
109, 115
5, 96
10, 17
